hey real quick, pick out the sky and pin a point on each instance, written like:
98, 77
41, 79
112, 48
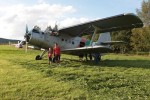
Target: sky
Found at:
16, 14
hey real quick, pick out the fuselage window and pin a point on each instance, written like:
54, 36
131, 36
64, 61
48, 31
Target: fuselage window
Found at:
62, 39
72, 42
35, 31
42, 32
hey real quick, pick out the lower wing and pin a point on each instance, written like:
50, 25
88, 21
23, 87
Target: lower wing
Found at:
88, 50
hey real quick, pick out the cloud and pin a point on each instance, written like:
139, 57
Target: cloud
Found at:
72, 21
14, 18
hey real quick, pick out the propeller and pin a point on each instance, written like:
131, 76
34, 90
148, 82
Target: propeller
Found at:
27, 29
26, 36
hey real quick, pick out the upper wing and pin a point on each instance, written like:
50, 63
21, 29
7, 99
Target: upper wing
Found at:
114, 23
87, 50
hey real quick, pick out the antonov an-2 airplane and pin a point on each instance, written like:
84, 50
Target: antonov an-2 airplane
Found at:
70, 39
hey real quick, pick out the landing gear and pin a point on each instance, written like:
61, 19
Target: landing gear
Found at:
88, 56
97, 57
39, 57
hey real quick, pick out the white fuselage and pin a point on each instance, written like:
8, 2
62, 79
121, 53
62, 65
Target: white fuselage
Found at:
45, 40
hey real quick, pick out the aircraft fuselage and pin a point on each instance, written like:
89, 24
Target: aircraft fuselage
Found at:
46, 40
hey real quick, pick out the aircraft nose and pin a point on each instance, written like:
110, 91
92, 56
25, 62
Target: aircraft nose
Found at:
27, 34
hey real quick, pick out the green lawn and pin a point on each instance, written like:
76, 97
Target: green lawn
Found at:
115, 77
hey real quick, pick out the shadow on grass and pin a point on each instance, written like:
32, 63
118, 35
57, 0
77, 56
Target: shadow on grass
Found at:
43, 66
50, 70
94, 81
115, 63
121, 63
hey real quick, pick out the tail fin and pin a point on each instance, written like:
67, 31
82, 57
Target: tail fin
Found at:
103, 37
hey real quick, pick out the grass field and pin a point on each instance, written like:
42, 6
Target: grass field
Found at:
115, 77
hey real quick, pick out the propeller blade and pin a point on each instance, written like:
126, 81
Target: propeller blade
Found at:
26, 49
26, 38
27, 29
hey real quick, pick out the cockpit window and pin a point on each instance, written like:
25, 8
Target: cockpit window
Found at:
35, 31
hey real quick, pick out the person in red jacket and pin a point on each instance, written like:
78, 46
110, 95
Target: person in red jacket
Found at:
50, 54
56, 53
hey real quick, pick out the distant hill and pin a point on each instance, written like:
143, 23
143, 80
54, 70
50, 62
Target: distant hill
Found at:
6, 41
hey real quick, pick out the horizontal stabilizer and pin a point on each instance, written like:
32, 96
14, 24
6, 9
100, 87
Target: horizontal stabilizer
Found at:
112, 42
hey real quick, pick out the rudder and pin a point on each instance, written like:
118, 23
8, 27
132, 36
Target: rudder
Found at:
104, 37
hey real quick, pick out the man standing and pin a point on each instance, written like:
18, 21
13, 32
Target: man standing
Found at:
56, 51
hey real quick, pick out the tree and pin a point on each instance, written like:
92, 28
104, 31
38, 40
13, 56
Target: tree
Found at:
141, 39
121, 36
144, 12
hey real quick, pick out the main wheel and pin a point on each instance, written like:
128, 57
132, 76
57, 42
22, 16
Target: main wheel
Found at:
38, 57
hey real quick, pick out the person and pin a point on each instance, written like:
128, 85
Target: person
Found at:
81, 54
88, 55
56, 53
97, 57
50, 53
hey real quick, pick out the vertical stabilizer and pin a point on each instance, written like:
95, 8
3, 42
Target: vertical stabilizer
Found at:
104, 37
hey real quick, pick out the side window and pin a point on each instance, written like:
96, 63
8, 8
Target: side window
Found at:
42, 33
72, 42
35, 31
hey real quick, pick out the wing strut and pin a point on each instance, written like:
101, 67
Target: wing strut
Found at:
96, 29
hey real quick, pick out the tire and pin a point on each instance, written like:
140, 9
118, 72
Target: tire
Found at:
38, 57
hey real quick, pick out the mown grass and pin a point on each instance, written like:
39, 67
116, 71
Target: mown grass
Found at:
115, 77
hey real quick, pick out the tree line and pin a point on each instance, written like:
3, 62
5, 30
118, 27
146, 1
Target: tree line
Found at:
136, 40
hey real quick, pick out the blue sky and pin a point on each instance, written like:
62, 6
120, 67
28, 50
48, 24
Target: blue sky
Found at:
15, 14
88, 8
102, 8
